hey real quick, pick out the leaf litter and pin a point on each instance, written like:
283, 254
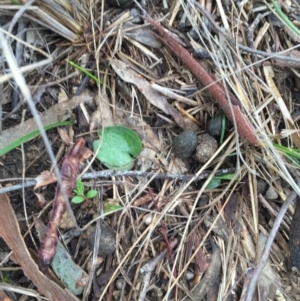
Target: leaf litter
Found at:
145, 87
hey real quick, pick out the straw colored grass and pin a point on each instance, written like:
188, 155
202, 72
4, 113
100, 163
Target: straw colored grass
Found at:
92, 35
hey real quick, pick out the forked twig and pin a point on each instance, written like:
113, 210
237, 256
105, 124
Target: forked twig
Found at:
267, 249
229, 106
69, 170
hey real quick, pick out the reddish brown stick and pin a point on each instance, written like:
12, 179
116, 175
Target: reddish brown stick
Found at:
217, 90
69, 169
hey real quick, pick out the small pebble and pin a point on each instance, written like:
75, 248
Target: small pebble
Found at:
189, 275
261, 186
271, 193
203, 201
107, 243
207, 147
147, 219
120, 284
185, 144
214, 125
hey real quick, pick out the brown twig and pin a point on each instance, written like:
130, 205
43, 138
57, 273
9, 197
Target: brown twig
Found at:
232, 111
267, 249
69, 169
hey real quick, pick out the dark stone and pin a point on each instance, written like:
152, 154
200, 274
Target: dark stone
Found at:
184, 144
107, 243
214, 125
261, 186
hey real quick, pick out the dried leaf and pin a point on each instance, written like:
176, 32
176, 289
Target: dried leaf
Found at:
64, 136
45, 178
10, 232
268, 277
210, 277
40, 200
152, 95
145, 36
230, 209
102, 116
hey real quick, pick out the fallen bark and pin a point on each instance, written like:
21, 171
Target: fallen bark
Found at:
68, 170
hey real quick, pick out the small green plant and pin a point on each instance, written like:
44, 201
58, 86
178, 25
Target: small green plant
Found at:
108, 207
80, 195
216, 181
5, 279
86, 72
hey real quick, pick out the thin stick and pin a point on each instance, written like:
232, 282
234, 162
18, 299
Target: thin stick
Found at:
267, 249
28, 182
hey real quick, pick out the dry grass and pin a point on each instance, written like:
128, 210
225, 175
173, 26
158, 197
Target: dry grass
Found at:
92, 35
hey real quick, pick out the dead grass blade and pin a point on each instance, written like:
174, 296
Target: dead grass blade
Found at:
56, 113
269, 74
23, 69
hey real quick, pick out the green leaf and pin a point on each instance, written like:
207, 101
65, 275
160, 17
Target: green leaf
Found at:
15, 2
6, 279
214, 183
119, 147
77, 199
287, 151
293, 160
228, 176
285, 19
91, 193
84, 71
79, 187
111, 207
